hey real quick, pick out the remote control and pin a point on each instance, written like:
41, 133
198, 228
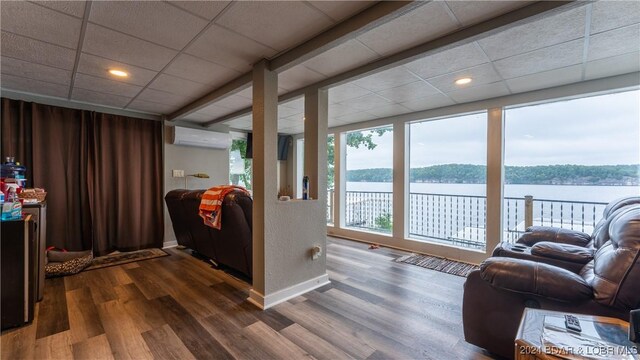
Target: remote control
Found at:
572, 323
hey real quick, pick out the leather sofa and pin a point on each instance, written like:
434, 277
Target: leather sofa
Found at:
608, 285
232, 245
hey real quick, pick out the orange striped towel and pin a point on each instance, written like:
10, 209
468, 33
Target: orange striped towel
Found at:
211, 204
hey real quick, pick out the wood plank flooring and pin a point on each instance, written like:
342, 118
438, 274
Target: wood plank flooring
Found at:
178, 307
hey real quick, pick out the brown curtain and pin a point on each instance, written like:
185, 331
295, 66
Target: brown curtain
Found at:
102, 173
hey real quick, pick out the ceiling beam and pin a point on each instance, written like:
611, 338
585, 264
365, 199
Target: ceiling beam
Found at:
523, 15
360, 23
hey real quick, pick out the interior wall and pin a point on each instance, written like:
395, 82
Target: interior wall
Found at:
192, 160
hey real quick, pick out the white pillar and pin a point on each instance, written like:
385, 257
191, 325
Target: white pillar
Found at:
495, 175
400, 180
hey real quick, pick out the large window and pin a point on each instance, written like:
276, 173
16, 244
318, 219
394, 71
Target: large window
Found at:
447, 177
369, 180
565, 160
330, 174
239, 165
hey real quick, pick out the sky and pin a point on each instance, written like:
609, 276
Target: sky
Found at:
598, 130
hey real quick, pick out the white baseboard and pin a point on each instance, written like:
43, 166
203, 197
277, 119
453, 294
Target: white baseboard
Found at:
264, 302
170, 244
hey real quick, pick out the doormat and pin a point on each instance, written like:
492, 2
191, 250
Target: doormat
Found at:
439, 264
120, 258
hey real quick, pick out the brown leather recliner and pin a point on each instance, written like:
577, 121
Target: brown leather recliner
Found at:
232, 245
609, 285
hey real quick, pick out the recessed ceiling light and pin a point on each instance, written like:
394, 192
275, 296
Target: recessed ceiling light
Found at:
118, 73
463, 81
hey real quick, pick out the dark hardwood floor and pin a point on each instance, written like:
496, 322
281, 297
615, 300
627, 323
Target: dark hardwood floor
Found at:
177, 307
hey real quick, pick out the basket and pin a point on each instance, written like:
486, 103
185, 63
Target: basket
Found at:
39, 195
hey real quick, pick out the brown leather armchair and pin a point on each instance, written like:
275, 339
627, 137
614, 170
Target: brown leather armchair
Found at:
609, 285
232, 245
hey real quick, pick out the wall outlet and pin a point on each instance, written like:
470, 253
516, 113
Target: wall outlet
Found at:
178, 173
316, 251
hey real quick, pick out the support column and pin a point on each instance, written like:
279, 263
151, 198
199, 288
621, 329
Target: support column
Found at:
339, 179
400, 183
495, 175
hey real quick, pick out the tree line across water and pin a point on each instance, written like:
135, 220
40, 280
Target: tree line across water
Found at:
538, 175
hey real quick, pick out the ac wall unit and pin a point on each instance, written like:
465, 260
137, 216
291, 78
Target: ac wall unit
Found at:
201, 138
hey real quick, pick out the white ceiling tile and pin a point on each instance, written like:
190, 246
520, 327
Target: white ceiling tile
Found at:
562, 27
472, 12
98, 98
366, 102
151, 107
549, 58
340, 10
297, 104
428, 102
34, 86
336, 110
608, 15
206, 9
345, 92
34, 21
179, 86
480, 75
234, 102
291, 131
242, 121
74, 8
546, 79
341, 58
114, 45
614, 42
288, 22
386, 79
214, 111
37, 51
106, 86
35, 71
163, 97
229, 49
425, 23
481, 92
289, 123
296, 119
284, 111
617, 65
153, 21
246, 93
389, 110
354, 118
447, 61
99, 66
298, 77
202, 71
409, 91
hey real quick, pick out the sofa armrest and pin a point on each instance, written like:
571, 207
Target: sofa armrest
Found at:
536, 234
529, 277
565, 252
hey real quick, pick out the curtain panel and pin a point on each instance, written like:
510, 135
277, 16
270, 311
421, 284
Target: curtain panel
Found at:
102, 173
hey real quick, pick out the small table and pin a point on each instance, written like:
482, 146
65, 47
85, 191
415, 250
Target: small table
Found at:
528, 343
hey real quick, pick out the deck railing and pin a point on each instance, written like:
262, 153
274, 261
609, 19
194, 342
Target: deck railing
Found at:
461, 219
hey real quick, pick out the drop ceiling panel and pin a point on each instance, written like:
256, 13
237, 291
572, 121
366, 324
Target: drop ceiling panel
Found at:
447, 61
40, 23
481, 74
425, 23
99, 66
205, 9
342, 58
162, 97
240, 123
202, 71
214, 111
562, 27
341, 109
621, 64
614, 42
409, 91
35, 71
340, 10
297, 104
235, 102
37, 51
179, 86
354, 118
366, 102
388, 110
106, 86
288, 22
479, 92
346, 92
114, 45
472, 12
608, 15
386, 79
74, 8
298, 77
428, 102
229, 49
34, 86
546, 79
285, 111
545, 59
247, 93
154, 21
99, 98
148, 106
